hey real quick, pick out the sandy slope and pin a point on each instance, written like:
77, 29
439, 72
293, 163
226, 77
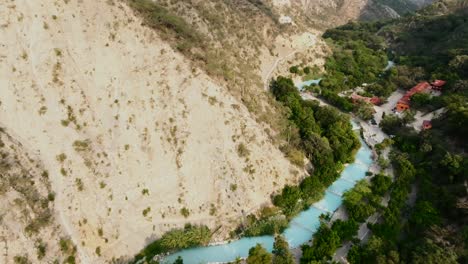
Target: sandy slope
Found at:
150, 130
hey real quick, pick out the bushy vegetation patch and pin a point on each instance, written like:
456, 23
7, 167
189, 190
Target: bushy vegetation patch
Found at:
189, 236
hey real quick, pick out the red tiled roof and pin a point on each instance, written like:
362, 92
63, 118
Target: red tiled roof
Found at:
419, 88
373, 100
438, 83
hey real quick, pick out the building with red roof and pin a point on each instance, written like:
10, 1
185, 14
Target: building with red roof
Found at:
404, 103
427, 124
372, 100
437, 84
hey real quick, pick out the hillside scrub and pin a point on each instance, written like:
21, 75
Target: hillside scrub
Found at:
189, 236
172, 26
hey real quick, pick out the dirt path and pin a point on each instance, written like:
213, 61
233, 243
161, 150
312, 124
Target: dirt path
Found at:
307, 43
273, 68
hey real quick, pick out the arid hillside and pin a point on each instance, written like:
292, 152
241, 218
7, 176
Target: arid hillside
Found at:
135, 139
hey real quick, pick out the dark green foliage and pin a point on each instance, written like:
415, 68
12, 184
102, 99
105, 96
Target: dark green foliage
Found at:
333, 98
420, 100
176, 239
281, 253
424, 215
179, 260
266, 226
327, 139
324, 245
288, 200
258, 255
358, 56
312, 190
294, 69
431, 45
357, 202
346, 230
380, 184
431, 253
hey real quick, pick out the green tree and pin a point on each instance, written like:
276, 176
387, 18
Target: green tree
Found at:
346, 230
288, 199
424, 215
179, 260
380, 184
294, 69
258, 255
281, 253
420, 100
430, 253
364, 110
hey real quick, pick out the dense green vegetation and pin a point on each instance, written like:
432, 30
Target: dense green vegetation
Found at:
265, 224
327, 240
280, 254
324, 135
431, 226
360, 203
176, 239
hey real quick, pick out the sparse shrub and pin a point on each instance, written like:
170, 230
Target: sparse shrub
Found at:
212, 210
185, 212
24, 55
51, 197
145, 191
294, 69
21, 260
212, 100
98, 251
81, 145
66, 246
61, 157
242, 150
146, 211
79, 184
42, 110
58, 52
64, 123
233, 187
41, 249
102, 185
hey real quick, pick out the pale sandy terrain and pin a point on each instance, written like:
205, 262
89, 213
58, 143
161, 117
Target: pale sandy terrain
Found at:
27, 204
139, 127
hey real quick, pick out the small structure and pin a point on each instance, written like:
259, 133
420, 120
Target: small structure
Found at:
404, 103
437, 84
427, 124
372, 100
285, 19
